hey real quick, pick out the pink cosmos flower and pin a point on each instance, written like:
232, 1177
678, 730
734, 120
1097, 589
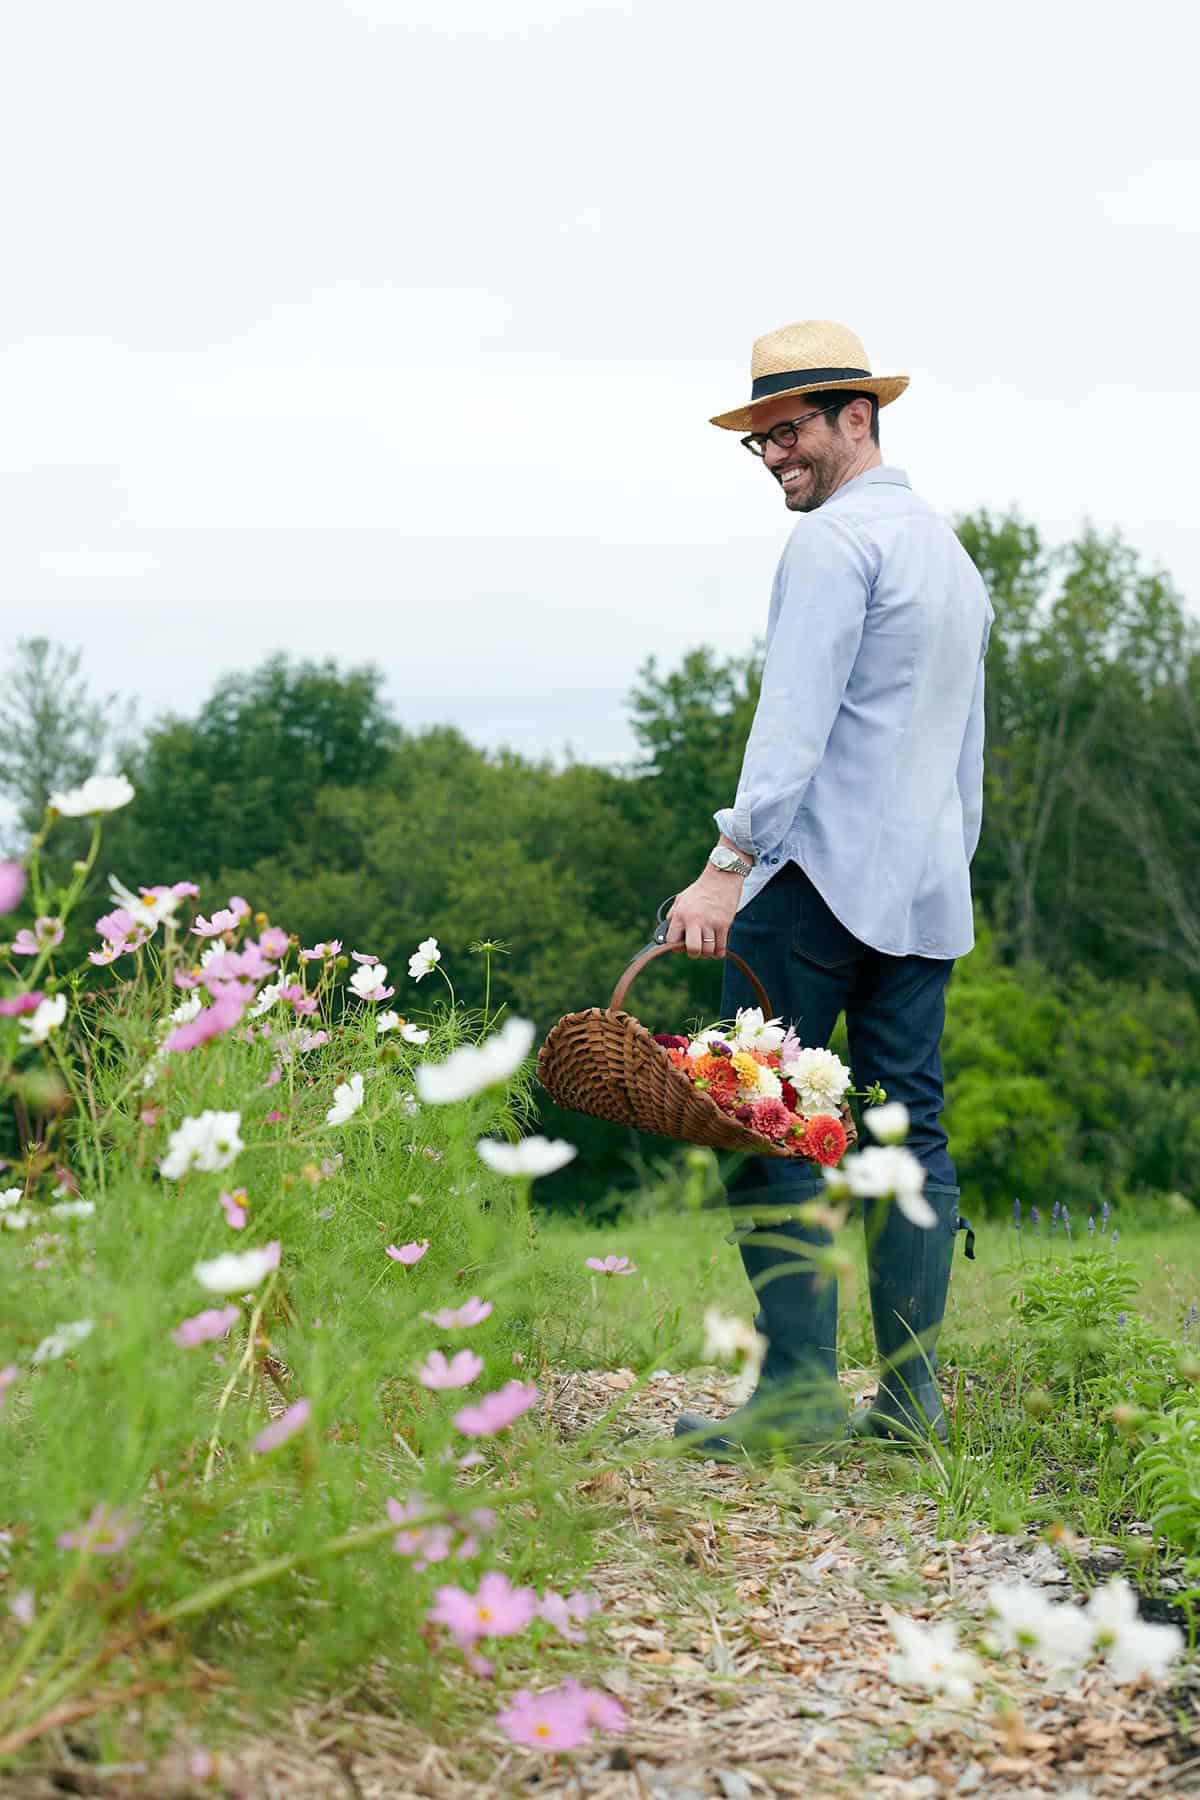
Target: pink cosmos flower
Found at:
234, 1207
565, 1613
429, 1544
224, 920
47, 934
102, 1534
9, 1374
273, 942
12, 886
113, 948
118, 925
274, 1077
408, 1253
16, 1004
313, 1040
599, 1708
472, 1312
281, 1429
460, 1371
497, 1410
363, 956
22, 1607
320, 951
186, 978
150, 1115
221, 1016
495, 1609
204, 1326
612, 1265
555, 1720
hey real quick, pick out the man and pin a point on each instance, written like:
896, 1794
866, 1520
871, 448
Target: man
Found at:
842, 871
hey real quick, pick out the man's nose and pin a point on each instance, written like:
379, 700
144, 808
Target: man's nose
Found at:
773, 455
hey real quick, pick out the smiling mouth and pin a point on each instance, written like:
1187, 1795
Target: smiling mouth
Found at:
792, 477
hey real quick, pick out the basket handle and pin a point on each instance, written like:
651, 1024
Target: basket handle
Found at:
653, 950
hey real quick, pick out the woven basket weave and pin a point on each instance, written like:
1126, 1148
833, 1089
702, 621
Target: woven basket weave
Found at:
604, 1062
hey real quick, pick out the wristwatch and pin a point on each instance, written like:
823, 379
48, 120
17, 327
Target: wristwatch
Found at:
729, 860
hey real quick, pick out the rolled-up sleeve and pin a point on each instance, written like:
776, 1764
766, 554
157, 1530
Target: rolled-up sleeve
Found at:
824, 584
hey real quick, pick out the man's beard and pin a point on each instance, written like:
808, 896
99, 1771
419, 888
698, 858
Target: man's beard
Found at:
823, 481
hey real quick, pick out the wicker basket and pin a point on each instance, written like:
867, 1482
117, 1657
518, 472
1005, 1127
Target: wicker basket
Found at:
604, 1062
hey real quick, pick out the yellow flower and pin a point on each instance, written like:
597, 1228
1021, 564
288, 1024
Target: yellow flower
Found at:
747, 1069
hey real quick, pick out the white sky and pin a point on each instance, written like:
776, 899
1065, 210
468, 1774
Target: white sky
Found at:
391, 330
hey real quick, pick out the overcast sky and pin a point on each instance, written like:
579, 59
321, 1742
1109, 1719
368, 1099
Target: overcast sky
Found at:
391, 329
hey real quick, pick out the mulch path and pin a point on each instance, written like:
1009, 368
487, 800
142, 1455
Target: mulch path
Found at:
745, 1632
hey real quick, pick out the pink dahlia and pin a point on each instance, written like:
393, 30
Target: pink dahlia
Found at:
771, 1118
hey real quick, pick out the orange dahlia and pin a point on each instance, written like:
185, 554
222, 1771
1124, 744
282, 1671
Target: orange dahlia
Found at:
824, 1139
679, 1059
717, 1071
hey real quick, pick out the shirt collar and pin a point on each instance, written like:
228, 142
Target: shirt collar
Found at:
885, 475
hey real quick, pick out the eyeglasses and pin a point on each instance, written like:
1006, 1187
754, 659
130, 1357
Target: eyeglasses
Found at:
784, 434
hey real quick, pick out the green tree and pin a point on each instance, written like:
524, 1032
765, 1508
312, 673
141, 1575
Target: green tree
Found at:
54, 731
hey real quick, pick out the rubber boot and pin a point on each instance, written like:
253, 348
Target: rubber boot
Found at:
908, 1268
797, 1400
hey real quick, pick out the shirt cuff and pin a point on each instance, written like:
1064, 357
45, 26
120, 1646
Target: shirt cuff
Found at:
734, 823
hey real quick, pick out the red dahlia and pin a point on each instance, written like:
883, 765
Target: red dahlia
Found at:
824, 1139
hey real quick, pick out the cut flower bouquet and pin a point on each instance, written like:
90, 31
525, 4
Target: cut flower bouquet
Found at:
759, 1072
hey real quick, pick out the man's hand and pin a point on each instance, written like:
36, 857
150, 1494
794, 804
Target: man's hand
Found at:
703, 913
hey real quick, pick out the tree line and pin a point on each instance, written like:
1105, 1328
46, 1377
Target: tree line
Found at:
1072, 1048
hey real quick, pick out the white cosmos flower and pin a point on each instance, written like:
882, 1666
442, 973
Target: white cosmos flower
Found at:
820, 1079
882, 1172
887, 1124
726, 1339
10, 1197
347, 1098
386, 1021
1056, 1634
238, 1271
367, 979
74, 1209
36, 1027
751, 1032
16, 1221
425, 959
413, 1034
208, 1142
930, 1659
532, 1156
185, 1012
62, 1339
99, 794
473, 1067
149, 910
1131, 1647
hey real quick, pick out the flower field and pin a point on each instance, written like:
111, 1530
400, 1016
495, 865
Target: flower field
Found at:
326, 1465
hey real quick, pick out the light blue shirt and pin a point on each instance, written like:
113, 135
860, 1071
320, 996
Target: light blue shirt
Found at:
864, 763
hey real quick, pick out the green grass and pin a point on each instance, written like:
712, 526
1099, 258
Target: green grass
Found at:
685, 1263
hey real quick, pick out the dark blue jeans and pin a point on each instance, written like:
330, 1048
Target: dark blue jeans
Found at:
813, 969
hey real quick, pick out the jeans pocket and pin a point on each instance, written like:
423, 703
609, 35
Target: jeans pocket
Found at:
819, 936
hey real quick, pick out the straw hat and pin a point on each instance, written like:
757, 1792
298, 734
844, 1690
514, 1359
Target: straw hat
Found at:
805, 358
